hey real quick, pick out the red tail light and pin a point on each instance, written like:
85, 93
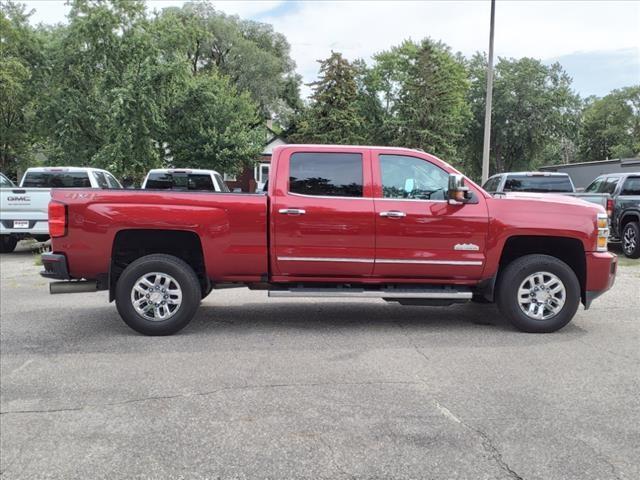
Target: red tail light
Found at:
610, 206
57, 219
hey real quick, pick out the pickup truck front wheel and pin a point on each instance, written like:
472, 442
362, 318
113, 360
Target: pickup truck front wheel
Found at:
538, 293
158, 294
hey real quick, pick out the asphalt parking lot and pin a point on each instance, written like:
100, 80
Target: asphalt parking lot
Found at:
258, 388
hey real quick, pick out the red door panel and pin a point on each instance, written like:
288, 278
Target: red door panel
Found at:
432, 239
423, 236
322, 235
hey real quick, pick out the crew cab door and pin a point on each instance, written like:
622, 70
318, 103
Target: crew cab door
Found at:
418, 233
322, 213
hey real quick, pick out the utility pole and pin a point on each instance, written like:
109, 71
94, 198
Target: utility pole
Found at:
487, 113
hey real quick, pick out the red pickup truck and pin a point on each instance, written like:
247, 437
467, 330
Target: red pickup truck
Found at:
338, 221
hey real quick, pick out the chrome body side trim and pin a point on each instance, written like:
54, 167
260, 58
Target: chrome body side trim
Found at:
430, 262
324, 259
383, 260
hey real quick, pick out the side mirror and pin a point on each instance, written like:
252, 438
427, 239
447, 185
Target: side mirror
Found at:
458, 193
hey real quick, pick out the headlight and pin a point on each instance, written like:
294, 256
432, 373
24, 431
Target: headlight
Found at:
603, 232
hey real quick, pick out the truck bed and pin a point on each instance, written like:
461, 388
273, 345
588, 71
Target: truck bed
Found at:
232, 227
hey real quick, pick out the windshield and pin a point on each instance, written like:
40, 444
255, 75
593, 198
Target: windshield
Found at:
56, 179
540, 184
5, 182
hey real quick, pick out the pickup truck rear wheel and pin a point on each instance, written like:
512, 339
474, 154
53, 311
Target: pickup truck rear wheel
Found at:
7, 243
631, 240
538, 293
158, 294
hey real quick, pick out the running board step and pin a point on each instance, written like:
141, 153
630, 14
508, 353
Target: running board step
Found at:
433, 293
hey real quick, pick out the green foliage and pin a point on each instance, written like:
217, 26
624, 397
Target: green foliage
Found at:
535, 115
120, 89
251, 54
19, 63
611, 125
333, 116
424, 90
212, 126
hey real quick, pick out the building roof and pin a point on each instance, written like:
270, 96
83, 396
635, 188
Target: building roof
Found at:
622, 161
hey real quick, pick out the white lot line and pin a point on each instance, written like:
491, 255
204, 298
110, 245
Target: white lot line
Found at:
21, 367
446, 412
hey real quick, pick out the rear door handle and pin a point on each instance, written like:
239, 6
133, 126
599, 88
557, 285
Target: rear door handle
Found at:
292, 211
393, 214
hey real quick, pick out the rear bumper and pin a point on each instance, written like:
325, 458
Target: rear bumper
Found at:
55, 266
601, 275
36, 227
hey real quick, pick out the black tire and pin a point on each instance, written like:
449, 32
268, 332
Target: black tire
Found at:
183, 275
8, 243
631, 240
512, 278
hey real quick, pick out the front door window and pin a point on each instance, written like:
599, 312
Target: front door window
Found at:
412, 178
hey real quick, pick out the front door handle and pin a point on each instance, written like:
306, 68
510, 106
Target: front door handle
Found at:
393, 214
292, 211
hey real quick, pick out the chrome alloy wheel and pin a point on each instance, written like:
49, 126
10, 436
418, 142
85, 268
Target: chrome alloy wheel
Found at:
629, 240
156, 296
541, 295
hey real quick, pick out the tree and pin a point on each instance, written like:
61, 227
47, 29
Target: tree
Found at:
250, 53
426, 96
535, 115
611, 126
333, 116
19, 58
212, 126
106, 87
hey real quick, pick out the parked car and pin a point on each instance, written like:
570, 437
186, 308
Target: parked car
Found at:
338, 221
184, 179
540, 182
23, 209
623, 191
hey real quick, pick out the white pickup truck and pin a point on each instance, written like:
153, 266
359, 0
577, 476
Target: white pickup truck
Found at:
23, 209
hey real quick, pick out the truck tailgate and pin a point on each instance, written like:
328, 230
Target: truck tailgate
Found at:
24, 210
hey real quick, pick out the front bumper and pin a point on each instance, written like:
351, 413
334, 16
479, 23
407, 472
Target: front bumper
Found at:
55, 266
601, 275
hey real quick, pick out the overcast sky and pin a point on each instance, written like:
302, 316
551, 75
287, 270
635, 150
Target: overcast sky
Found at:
598, 42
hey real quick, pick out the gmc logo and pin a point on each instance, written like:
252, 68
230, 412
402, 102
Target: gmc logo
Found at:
23, 198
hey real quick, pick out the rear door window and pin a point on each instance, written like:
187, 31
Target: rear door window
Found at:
326, 174
631, 186
56, 180
535, 183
